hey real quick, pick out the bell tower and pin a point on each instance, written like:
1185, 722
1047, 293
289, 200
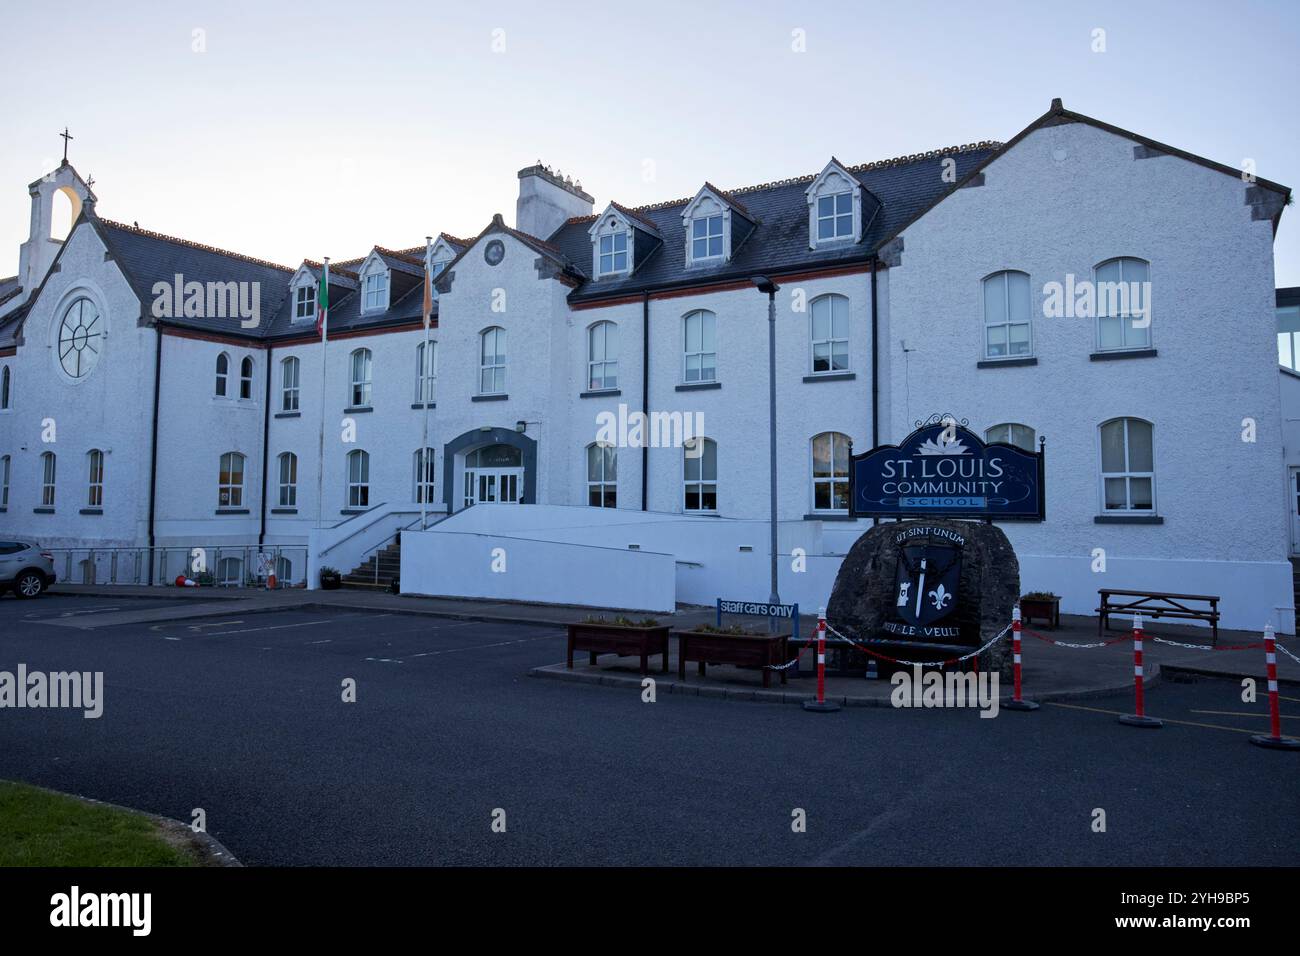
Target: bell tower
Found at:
36, 255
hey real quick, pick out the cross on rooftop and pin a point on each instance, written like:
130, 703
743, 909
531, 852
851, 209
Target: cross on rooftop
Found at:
66, 136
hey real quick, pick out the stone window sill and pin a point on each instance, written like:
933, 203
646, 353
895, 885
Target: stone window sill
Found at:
358, 409
1122, 354
43, 511
423, 405
830, 376
1007, 362
601, 393
288, 414
828, 516
1128, 519
494, 397
92, 511
284, 511
698, 386
231, 511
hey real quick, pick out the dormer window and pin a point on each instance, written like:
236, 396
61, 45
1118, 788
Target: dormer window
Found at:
613, 253
304, 303
375, 292
835, 216
836, 203
715, 226
706, 238
621, 240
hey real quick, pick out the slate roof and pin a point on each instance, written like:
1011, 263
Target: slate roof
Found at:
147, 257
779, 241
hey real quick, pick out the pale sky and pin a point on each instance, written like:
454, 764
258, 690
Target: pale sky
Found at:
325, 128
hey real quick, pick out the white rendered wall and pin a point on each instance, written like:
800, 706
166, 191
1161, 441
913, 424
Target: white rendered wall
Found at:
1061, 201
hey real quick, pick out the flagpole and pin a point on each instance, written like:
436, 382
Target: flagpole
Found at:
324, 342
425, 465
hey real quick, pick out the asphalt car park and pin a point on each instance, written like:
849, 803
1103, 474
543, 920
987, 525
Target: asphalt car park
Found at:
244, 717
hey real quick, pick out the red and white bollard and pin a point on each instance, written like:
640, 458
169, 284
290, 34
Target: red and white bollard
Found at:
1139, 719
1017, 702
821, 705
1274, 740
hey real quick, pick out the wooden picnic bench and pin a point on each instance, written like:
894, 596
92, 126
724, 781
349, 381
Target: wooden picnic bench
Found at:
766, 651
1158, 604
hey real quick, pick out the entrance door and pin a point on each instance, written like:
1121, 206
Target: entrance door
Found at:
1295, 510
493, 474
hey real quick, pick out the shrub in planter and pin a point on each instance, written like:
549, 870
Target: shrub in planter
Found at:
1043, 605
330, 579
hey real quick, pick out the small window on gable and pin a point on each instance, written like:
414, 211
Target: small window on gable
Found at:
304, 302
706, 238
223, 373
835, 216
374, 288
246, 378
613, 253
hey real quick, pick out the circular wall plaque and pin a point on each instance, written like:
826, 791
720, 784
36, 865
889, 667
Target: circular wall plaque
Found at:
494, 252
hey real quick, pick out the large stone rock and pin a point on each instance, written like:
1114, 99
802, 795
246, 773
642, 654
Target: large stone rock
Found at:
864, 596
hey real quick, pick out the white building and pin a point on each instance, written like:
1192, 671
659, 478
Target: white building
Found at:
909, 287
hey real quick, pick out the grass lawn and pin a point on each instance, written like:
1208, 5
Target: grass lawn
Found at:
40, 828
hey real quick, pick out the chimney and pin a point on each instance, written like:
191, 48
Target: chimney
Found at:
546, 200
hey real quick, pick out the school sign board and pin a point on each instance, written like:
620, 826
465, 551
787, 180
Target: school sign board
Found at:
943, 469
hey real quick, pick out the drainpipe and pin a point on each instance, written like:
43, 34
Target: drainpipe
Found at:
645, 396
875, 364
153, 450
266, 444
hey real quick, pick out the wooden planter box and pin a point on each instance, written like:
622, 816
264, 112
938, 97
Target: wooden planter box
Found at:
617, 639
1043, 609
743, 650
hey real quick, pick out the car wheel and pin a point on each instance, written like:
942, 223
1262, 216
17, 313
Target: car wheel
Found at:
29, 584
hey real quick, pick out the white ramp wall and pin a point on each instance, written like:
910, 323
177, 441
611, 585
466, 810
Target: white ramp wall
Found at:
478, 565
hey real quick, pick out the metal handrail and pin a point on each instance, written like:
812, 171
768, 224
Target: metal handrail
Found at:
384, 543
362, 528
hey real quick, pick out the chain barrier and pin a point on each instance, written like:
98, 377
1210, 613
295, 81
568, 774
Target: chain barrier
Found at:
1286, 652
897, 660
1206, 647
783, 667
1048, 640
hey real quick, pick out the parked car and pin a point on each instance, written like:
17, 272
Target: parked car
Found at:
25, 569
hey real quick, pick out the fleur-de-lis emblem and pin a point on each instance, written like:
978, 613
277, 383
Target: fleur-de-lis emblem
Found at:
940, 597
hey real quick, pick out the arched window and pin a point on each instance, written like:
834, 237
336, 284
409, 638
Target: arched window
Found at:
602, 356
426, 372
288, 480
246, 378
4, 387
699, 347
361, 371
1123, 291
95, 478
830, 334
830, 472
358, 479
1022, 436
1006, 315
422, 464
289, 384
48, 464
4, 482
602, 475
223, 372
1128, 473
492, 361
700, 474
230, 481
